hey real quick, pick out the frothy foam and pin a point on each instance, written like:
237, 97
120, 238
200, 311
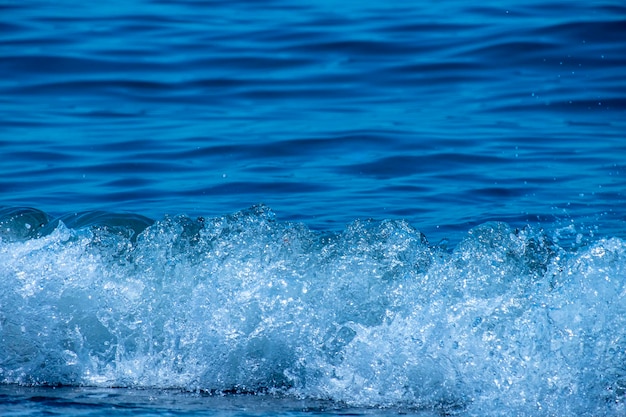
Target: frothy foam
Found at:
373, 316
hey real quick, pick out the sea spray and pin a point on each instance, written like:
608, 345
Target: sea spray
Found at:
372, 316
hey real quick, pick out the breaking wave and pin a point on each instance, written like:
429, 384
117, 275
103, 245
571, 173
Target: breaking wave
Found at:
375, 316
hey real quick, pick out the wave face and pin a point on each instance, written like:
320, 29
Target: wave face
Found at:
372, 316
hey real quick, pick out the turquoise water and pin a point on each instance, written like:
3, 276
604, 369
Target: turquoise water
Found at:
312, 208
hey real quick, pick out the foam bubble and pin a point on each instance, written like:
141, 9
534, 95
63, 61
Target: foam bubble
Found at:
372, 316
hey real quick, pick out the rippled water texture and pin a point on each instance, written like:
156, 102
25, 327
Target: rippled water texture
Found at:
445, 114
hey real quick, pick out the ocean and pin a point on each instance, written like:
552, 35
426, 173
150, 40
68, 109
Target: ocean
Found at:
305, 208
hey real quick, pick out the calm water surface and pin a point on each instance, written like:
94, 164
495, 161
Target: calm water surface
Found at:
443, 114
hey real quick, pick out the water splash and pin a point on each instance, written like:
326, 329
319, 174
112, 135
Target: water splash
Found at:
372, 316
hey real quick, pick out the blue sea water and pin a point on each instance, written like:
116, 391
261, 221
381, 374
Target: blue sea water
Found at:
312, 208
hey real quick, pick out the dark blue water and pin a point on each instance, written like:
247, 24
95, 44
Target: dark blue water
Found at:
376, 204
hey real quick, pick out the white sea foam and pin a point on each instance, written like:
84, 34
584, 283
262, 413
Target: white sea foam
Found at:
373, 316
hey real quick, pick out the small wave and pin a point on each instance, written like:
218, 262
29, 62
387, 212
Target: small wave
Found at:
20, 223
372, 316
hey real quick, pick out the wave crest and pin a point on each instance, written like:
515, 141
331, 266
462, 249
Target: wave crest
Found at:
374, 315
